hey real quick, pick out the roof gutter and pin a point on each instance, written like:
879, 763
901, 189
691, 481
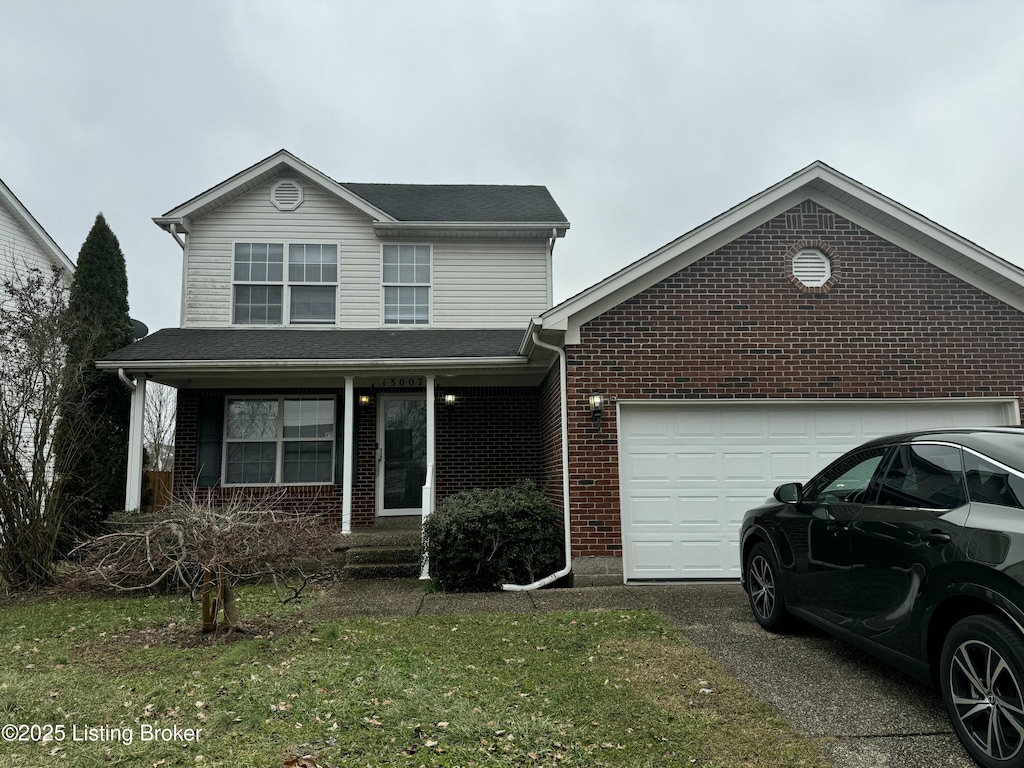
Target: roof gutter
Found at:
564, 381
222, 366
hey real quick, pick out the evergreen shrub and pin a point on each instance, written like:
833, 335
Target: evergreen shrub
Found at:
478, 540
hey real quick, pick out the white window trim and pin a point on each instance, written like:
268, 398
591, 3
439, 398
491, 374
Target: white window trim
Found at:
286, 294
429, 286
280, 440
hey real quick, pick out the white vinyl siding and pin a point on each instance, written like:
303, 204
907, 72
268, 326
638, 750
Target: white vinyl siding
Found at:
489, 284
252, 217
18, 251
474, 283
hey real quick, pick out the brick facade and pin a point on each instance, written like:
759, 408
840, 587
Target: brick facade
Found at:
488, 439
736, 324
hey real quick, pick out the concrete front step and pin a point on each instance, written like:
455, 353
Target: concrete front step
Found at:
382, 571
383, 555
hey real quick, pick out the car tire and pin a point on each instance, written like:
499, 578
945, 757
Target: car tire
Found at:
767, 602
982, 681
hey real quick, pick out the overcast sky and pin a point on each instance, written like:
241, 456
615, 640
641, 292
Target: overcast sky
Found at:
643, 118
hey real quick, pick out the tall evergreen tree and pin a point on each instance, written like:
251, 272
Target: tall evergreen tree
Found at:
95, 473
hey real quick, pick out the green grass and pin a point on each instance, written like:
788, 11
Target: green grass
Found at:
607, 688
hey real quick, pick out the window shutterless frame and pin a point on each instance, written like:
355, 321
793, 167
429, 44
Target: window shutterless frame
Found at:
407, 284
285, 282
278, 440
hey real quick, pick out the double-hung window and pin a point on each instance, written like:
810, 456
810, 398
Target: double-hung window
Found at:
275, 440
406, 283
265, 293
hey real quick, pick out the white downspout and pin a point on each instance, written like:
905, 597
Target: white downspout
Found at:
564, 376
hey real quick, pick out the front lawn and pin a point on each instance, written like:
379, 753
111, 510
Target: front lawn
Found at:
607, 688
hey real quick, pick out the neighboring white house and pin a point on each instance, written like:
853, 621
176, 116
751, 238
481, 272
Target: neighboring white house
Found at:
25, 245
23, 241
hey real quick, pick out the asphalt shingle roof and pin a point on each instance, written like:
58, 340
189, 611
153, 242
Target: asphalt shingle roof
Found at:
243, 344
462, 202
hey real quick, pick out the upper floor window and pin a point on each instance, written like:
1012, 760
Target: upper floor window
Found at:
265, 293
406, 283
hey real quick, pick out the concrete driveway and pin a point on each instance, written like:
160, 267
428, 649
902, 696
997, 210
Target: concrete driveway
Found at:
861, 713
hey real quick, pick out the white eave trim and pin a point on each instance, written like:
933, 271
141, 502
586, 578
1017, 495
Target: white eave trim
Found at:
541, 228
264, 168
22, 215
815, 182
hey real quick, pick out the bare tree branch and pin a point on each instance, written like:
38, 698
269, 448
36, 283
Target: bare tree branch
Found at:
207, 549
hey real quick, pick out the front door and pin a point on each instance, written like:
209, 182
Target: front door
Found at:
402, 456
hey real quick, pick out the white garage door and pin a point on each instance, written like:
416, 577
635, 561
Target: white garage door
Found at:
689, 471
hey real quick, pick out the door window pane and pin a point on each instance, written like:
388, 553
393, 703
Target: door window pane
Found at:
990, 483
847, 479
405, 453
924, 476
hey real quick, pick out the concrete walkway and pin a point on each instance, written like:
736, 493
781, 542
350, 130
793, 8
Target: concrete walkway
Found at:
861, 713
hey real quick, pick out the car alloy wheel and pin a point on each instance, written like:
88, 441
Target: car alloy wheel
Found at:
982, 683
766, 599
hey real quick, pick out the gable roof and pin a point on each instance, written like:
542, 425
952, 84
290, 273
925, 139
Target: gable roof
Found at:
34, 229
394, 208
829, 188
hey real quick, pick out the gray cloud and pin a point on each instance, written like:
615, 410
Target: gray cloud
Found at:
644, 119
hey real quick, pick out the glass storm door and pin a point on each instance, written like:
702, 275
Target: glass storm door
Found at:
402, 438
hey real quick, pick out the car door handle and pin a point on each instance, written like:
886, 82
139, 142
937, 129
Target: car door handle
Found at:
837, 528
936, 537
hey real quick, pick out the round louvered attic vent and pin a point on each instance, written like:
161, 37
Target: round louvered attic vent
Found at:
286, 195
812, 267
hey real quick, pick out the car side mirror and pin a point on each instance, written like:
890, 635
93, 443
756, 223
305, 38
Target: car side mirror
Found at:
790, 493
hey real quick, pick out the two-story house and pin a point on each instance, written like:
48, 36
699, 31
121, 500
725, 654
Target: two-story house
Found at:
355, 349
365, 350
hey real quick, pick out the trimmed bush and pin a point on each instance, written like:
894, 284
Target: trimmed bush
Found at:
478, 540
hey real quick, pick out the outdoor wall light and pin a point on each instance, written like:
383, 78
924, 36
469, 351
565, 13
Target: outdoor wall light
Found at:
596, 405
364, 400
449, 399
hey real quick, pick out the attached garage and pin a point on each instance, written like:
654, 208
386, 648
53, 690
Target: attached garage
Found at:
690, 469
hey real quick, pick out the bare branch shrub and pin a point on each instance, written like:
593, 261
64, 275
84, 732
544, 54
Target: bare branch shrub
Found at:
206, 549
36, 384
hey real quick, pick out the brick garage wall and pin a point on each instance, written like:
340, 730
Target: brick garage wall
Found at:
490, 438
551, 436
736, 325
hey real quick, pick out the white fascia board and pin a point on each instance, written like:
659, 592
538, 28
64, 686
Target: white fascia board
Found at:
35, 229
543, 228
664, 263
280, 158
303, 366
719, 230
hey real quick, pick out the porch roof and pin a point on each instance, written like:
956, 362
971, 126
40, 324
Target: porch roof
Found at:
301, 357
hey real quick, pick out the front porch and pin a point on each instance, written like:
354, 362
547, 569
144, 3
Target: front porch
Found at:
391, 549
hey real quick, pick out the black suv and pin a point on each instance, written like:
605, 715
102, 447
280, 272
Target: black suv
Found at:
912, 548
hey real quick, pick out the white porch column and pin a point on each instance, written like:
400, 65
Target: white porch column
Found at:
136, 419
346, 464
428, 489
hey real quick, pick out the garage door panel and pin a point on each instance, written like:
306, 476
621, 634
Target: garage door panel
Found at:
689, 472
743, 466
792, 467
697, 467
650, 467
